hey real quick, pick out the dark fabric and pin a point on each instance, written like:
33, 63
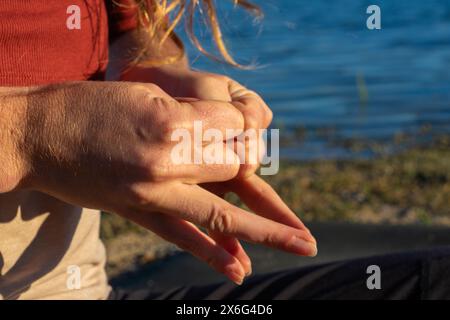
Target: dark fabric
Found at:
410, 275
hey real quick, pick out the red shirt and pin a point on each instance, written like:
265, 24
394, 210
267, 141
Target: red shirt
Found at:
37, 47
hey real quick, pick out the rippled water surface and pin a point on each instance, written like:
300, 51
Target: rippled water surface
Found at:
322, 71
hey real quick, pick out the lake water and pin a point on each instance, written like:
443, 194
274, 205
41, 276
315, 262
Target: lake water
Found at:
321, 69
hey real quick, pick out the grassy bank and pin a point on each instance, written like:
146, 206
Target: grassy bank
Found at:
410, 187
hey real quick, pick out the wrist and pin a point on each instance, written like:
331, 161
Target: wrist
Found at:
14, 162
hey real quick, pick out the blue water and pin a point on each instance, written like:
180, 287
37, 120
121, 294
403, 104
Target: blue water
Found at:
313, 54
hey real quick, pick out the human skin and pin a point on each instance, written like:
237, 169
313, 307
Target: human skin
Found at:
179, 80
106, 145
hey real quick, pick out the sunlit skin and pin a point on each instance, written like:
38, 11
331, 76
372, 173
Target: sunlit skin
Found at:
106, 145
181, 81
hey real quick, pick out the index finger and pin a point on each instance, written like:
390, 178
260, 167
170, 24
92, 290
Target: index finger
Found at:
218, 115
194, 204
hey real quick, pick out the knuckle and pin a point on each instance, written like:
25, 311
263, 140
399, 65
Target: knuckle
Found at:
220, 220
165, 119
161, 106
269, 239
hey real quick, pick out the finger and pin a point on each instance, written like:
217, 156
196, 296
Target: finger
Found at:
211, 163
192, 203
213, 114
196, 119
256, 113
189, 238
233, 246
250, 147
260, 197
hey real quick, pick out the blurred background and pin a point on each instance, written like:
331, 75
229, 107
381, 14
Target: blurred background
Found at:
364, 119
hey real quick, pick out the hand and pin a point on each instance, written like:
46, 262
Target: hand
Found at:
107, 146
254, 191
201, 85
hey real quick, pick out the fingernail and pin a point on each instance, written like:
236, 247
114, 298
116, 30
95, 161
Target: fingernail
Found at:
303, 247
249, 272
310, 235
235, 276
314, 249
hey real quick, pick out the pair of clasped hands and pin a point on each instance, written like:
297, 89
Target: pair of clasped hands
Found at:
112, 152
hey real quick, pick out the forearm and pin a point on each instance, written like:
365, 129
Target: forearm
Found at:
36, 125
13, 168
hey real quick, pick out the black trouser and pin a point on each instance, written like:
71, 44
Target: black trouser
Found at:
410, 275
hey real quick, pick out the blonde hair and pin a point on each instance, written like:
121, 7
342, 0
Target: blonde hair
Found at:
153, 18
